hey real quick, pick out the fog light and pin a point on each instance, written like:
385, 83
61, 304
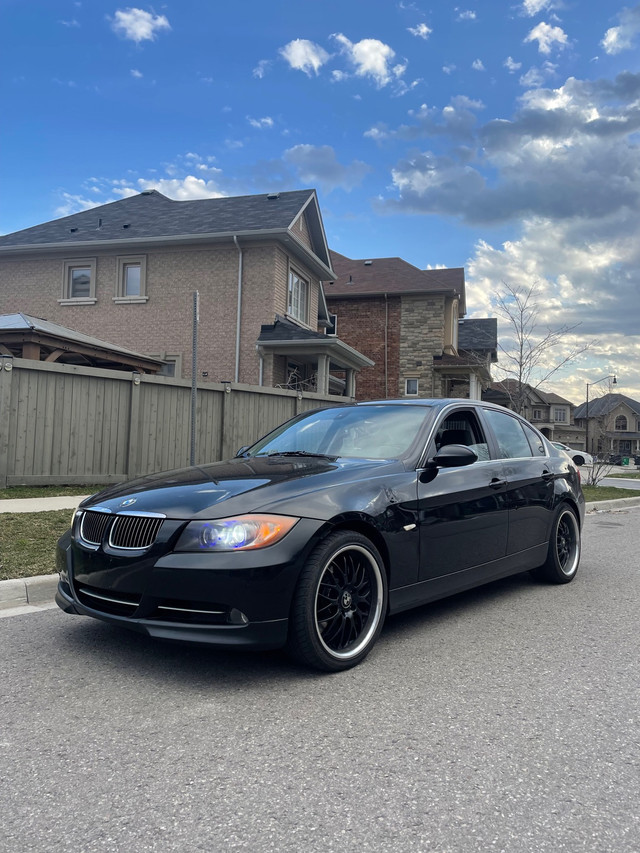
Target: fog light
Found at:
236, 617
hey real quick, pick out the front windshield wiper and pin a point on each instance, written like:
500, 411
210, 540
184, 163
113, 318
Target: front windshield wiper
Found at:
301, 453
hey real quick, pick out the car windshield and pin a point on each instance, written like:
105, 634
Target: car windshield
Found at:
367, 432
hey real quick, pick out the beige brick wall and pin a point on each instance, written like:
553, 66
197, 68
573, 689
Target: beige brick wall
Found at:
301, 229
164, 323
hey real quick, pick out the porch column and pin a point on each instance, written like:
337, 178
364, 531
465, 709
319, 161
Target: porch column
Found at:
323, 374
350, 388
475, 388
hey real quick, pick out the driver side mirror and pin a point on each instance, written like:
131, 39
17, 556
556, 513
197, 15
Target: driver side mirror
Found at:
449, 456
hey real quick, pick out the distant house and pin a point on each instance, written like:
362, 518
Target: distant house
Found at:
550, 413
407, 321
613, 423
126, 272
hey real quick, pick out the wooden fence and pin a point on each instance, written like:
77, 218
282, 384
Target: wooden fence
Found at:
78, 425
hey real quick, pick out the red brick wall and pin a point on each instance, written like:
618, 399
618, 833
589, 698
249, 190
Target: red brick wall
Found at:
361, 325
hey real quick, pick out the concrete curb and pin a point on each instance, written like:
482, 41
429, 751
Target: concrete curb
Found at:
37, 590
41, 589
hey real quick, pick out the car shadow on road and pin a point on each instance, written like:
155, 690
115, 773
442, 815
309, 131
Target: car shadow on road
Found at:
100, 647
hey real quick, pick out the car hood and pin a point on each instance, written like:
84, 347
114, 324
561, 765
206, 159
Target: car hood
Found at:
238, 486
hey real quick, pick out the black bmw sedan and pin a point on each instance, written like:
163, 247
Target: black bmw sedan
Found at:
309, 538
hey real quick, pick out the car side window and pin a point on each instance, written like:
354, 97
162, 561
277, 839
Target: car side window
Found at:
463, 428
536, 443
512, 442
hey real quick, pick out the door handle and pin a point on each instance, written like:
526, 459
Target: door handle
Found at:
497, 484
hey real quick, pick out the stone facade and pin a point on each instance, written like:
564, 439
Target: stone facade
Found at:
422, 330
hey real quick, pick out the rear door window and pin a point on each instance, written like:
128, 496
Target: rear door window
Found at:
511, 439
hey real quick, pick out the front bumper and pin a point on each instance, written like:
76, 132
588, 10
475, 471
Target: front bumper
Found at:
255, 635
237, 599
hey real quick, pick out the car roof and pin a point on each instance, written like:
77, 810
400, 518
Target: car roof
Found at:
438, 403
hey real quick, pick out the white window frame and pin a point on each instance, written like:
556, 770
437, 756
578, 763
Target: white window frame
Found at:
537, 415
559, 416
298, 292
67, 270
123, 262
408, 393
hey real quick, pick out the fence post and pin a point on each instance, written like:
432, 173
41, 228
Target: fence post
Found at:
6, 375
133, 455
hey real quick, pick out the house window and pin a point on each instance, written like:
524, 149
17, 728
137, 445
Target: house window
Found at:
298, 301
411, 387
131, 283
332, 329
173, 368
560, 416
79, 281
537, 415
621, 423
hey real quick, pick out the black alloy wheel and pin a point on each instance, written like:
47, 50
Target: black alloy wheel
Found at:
340, 603
563, 556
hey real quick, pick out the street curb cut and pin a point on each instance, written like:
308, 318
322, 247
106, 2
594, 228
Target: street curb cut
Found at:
42, 588
37, 590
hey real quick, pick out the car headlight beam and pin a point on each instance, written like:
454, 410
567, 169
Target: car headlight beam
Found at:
241, 533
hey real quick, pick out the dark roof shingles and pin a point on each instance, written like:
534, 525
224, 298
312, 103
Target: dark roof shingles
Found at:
152, 214
389, 275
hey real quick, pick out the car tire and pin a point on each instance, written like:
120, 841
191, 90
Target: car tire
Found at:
563, 556
579, 460
340, 603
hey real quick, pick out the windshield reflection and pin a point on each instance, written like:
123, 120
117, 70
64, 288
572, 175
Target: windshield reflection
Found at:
364, 432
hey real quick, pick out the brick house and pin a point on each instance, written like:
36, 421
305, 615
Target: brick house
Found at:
407, 321
125, 272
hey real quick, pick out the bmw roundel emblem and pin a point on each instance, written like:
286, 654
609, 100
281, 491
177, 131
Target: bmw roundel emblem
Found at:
128, 502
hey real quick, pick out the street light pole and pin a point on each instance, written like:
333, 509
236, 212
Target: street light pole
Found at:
586, 427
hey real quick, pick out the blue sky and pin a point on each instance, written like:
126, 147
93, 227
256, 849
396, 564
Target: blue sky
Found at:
502, 137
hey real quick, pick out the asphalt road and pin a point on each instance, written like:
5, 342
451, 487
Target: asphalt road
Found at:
505, 719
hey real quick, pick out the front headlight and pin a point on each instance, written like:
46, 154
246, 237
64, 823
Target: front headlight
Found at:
243, 533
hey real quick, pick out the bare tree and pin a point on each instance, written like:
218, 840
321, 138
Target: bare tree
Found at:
531, 357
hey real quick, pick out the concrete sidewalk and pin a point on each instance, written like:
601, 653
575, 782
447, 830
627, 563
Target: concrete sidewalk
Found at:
41, 504
24, 595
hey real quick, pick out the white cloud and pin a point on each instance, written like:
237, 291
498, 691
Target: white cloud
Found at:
448, 69
536, 77
182, 189
622, 37
547, 36
478, 65
261, 68
138, 25
304, 55
71, 23
318, 165
260, 123
511, 65
136, 73
371, 58
581, 278
533, 7
466, 15
421, 31
74, 204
